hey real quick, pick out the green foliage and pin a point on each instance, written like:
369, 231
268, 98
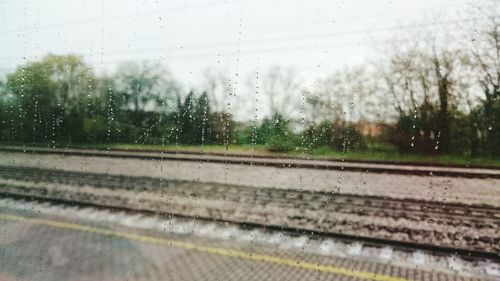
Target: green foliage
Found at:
52, 96
8, 126
275, 132
195, 123
95, 129
492, 126
474, 133
245, 134
59, 99
337, 136
142, 87
281, 144
407, 135
485, 121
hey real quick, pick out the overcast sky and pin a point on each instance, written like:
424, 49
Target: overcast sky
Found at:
237, 36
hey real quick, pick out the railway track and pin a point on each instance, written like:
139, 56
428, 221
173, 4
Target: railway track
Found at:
470, 230
480, 172
280, 197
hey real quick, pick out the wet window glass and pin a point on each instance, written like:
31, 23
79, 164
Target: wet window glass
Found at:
249, 140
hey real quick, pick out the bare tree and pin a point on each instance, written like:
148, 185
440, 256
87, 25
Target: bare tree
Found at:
282, 89
485, 49
421, 78
484, 42
216, 85
349, 94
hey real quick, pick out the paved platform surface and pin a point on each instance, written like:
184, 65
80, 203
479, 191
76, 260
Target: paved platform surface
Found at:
41, 246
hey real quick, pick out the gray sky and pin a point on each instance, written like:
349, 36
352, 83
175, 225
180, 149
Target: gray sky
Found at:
189, 36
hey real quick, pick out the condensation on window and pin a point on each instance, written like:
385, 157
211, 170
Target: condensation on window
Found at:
249, 140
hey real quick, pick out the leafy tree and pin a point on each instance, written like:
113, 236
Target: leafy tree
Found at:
143, 87
276, 133
53, 96
281, 88
8, 129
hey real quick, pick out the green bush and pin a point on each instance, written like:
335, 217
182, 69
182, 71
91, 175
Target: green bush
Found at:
338, 136
281, 144
95, 129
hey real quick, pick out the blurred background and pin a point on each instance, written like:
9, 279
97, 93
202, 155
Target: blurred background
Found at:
367, 80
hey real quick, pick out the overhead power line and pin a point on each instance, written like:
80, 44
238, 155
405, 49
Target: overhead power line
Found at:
205, 5
283, 38
119, 17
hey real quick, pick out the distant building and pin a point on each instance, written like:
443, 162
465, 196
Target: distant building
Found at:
369, 129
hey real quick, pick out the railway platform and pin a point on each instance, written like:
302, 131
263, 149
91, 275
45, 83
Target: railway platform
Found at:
87, 244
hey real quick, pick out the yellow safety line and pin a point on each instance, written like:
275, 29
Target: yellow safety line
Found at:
213, 250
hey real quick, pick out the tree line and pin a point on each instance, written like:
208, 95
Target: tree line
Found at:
426, 94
